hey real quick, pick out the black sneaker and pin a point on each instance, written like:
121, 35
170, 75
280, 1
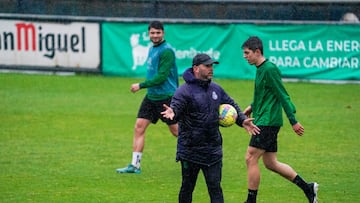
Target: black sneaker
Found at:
312, 196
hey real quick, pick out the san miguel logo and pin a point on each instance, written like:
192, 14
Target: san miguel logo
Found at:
34, 38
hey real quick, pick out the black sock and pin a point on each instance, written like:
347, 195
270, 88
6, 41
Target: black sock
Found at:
301, 184
251, 196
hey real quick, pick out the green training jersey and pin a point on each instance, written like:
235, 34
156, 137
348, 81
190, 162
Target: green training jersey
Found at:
270, 97
162, 74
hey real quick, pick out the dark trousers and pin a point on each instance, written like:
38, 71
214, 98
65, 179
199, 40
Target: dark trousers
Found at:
212, 176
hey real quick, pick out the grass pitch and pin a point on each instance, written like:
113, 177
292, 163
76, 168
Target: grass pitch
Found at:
62, 138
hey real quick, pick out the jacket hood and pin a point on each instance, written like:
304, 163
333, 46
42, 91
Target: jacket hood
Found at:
189, 77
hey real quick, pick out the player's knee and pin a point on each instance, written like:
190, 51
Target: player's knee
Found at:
271, 165
252, 157
249, 159
139, 129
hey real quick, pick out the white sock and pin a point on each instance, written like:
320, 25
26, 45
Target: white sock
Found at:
136, 158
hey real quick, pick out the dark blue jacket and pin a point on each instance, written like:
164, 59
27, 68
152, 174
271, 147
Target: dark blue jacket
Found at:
196, 106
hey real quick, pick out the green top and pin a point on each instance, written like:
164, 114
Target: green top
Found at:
270, 97
162, 76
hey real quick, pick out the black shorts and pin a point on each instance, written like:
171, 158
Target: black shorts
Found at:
266, 140
151, 110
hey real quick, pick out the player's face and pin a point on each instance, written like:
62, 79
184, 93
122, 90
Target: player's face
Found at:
204, 72
250, 56
156, 35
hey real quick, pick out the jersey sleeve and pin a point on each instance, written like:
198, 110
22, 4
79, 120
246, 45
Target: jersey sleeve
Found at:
282, 95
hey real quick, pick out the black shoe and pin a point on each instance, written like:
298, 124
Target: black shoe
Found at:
312, 195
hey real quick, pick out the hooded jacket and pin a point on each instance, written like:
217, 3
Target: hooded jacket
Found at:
196, 106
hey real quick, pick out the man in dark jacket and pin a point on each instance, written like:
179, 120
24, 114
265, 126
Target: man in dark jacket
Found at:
195, 106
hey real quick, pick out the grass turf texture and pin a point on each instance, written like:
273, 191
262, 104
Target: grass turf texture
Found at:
62, 138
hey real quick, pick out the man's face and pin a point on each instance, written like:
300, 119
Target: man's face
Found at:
204, 72
250, 56
156, 35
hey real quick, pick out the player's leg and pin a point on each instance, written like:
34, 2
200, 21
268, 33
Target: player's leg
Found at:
174, 129
253, 155
138, 146
213, 175
259, 144
189, 172
144, 118
252, 163
141, 125
271, 163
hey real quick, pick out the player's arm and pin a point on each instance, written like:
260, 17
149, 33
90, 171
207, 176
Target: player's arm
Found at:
286, 103
167, 59
248, 111
282, 95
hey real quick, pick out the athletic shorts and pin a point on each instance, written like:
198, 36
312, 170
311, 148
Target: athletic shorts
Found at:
151, 110
266, 140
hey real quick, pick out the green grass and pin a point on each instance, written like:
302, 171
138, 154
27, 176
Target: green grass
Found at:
62, 138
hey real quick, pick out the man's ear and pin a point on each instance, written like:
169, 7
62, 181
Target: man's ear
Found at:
258, 52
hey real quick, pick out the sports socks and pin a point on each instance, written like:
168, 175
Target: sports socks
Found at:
136, 158
251, 196
301, 184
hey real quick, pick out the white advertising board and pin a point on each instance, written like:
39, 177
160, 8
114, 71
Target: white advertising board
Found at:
68, 45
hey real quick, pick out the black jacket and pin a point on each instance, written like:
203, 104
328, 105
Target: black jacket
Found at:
196, 106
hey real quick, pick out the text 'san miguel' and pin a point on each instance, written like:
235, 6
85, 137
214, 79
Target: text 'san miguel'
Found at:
30, 38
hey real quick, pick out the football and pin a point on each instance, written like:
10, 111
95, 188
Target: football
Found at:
227, 115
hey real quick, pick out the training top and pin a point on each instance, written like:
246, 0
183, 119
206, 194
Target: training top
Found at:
162, 74
270, 96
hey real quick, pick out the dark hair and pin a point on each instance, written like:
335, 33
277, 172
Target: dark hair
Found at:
253, 43
156, 24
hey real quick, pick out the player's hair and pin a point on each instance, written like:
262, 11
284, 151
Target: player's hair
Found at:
156, 24
253, 43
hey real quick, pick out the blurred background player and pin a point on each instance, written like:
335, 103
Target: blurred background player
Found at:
270, 97
161, 83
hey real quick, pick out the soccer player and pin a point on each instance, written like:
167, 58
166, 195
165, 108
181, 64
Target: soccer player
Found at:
161, 83
270, 97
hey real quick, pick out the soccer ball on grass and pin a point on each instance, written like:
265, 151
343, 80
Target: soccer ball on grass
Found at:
227, 115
